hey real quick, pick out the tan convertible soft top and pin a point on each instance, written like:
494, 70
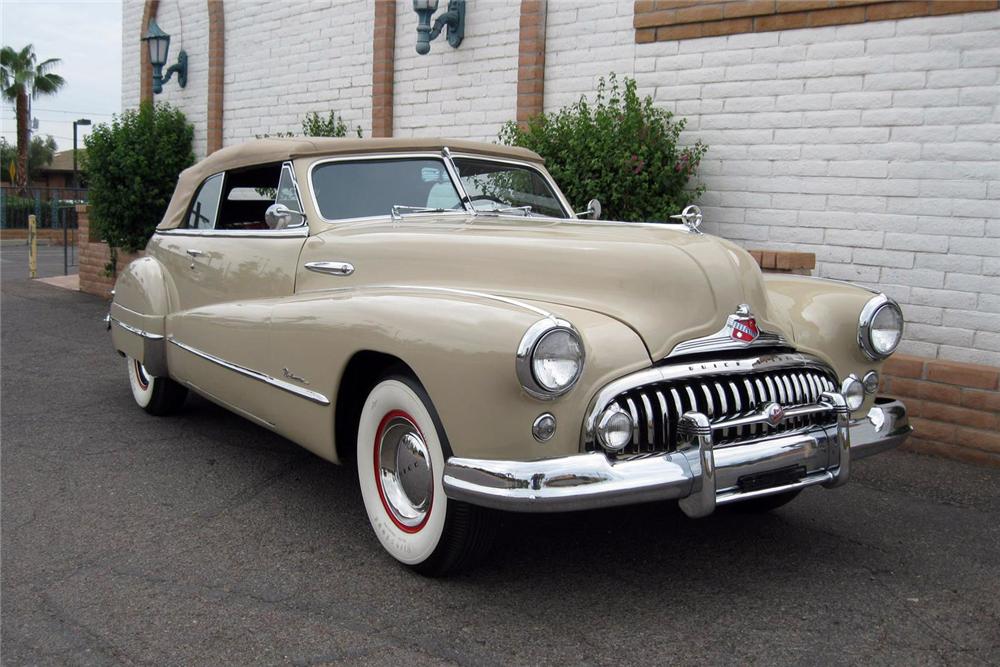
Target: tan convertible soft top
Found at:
264, 151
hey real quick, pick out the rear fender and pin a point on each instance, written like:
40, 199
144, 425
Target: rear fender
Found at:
142, 298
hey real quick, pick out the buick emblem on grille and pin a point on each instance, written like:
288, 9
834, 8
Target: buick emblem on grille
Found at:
743, 325
774, 413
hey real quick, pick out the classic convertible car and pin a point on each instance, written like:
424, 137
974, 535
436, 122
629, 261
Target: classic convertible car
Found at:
435, 313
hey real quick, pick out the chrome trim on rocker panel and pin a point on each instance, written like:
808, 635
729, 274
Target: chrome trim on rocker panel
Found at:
135, 330
676, 371
307, 394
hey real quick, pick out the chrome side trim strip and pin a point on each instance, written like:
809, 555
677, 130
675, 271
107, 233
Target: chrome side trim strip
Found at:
294, 232
135, 330
307, 394
331, 268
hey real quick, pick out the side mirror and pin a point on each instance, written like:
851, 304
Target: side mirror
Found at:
279, 216
593, 210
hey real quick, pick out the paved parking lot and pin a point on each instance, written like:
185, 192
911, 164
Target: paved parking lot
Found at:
202, 539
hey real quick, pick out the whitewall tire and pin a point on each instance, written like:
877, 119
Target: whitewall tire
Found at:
400, 457
155, 395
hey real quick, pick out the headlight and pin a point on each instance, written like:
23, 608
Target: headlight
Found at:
880, 327
549, 358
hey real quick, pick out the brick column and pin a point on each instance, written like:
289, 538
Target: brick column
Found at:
216, 69
145, 70
383, 67
531, 60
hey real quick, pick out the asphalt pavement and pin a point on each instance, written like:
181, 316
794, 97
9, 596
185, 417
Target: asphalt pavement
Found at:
202, 539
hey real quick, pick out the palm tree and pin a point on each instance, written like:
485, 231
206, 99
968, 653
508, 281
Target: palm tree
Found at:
23, 78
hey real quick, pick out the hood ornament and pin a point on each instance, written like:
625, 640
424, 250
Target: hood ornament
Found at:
690, 217
742, 325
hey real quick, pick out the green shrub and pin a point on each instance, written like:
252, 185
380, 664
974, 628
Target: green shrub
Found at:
315, 125
132, 165
620, 149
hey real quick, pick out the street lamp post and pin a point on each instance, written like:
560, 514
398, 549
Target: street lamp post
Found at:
76, 176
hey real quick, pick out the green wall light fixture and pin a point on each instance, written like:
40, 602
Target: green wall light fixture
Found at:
454, 19
158, 43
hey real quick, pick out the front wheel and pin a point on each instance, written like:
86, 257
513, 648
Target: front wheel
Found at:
400, 454
156, 395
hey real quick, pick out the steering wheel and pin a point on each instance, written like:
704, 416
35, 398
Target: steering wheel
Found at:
494, 200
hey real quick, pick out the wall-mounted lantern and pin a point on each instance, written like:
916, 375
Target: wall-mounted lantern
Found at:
454, 19
158, 43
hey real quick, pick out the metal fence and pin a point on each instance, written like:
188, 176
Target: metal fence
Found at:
53, 208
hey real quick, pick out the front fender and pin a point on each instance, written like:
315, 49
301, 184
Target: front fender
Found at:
142, 298
462, 348
822, 316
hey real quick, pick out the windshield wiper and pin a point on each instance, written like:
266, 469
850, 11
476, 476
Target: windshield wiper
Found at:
398, 210
524, 210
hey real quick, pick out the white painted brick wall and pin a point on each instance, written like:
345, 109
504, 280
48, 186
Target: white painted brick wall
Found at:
875, 146
467, 92
269, 84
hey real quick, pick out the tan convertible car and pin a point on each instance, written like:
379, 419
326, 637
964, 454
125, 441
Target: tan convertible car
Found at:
435, 313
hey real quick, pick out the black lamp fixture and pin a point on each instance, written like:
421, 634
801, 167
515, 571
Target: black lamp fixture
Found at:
158, 43
454, 19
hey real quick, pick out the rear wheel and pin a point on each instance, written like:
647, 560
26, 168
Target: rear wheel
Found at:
400, 456
156, 395
766, 503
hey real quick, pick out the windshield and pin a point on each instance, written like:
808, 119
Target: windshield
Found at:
369, 188
497, 186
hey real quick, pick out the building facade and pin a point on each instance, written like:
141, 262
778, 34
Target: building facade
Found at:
866, 132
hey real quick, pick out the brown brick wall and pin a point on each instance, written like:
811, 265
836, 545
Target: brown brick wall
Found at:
93, 258
782, 261
145, 69
668, 20
216, 72
383, 67
531, 60
954, 408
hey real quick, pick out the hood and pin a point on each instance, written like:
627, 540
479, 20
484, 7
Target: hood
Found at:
667, 284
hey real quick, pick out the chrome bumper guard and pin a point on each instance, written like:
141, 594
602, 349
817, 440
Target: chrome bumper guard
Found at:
699, 475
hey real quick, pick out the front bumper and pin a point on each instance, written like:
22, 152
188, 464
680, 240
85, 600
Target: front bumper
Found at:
700, 475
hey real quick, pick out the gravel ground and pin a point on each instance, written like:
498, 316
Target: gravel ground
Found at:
202, 539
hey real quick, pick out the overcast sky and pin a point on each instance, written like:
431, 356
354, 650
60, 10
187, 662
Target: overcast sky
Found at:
86, 35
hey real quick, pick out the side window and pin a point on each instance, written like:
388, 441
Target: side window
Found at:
250, 193
205, 209
288, 194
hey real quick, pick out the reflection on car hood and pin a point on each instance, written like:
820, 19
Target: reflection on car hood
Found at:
668, 284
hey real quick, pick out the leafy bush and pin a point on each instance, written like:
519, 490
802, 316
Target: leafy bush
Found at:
315, 125
132, 166
333, 125
620, 149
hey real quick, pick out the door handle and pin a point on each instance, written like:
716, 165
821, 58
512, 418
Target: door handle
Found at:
194, 253
331, 268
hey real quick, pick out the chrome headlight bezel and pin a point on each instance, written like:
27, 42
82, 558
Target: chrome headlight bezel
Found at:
524, 361
868, 315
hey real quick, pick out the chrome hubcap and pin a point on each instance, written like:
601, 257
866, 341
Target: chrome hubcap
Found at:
404, 470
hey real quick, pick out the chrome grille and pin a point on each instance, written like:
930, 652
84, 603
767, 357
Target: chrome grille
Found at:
656, 408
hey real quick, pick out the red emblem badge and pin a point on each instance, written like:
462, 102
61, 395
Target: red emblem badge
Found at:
744, 329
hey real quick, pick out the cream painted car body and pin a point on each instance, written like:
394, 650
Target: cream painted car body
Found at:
242, 321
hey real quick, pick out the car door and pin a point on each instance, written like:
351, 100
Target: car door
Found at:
228, 264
